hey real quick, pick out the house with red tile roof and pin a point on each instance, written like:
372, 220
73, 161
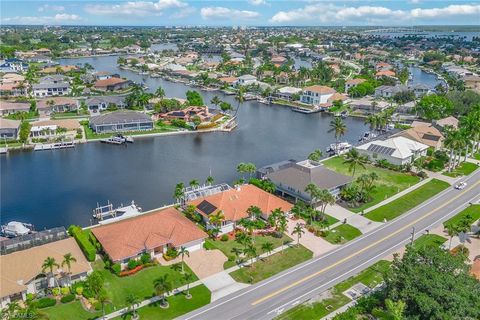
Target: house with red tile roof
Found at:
316, 94
234, 203
151, 233
112, 84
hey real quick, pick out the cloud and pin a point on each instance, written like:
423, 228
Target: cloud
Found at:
47, 7
134, 8
59, 18
227, 13
330, 13
183, 13
257, 2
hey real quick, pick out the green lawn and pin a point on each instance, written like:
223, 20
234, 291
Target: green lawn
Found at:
140, 284
477, 156
462, 170
72, 311
389, 182
227, 246
342, 234
409, 201
330, 220
179, 305
429, 240
158, 129
316, 310
272, 265
473, 211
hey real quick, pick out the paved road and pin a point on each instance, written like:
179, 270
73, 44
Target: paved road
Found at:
277, 294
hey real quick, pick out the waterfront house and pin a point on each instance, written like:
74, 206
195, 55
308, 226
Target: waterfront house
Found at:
101, 103
368, 105
352, 83
152, 233
316, 94
188, 114
22, 270
112, 84
13, 65
7, 107
419, 89
292, 177
234, 203
472, 82
385, 73
383, 66
121, 121
246, 80
228, 80
447, 122
9, 129
58, 69
57, 104
66, 128
55, 85
13, 89
396, 150
288, 93
14, 78
389, 91
426, 134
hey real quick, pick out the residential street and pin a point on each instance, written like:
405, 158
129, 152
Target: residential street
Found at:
273, 296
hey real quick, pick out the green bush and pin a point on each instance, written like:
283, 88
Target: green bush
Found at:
145, 258
30, 296
224, 237
67, 298
45, 303
208, 246
132, 264
79, 291
56, 291
172, 253
116, 268
65, 291
83, 242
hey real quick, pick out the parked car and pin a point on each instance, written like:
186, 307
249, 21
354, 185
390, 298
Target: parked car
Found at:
460, 186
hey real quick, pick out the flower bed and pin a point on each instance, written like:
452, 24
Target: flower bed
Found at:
130, 272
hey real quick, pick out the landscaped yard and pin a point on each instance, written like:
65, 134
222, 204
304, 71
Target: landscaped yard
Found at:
316, 310
178, 305
158, 129
227, 246
272, 265
71, 311
330, 220
140, 284
462, 170
429, 240
477, 156
389, 182
409, 201
342, 234
473, 212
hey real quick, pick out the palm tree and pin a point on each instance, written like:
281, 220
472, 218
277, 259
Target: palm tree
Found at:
452, 231
237, 252
267, 247
67, 261
313, 190
132, 300
298, 230
179, 191
194, 183
216, 101
103, 298
188, 277
162, 287
316, 155
254, 212
48, 264
325, 198
210, 180
354, 159
160, 93
338, 127
240, 99
395, 309
251, 252
182, 252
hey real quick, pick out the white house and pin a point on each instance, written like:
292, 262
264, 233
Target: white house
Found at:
51, 86
246, 80
286, 93
397, 150
316, 94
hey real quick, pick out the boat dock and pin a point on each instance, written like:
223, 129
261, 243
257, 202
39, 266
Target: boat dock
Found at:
52, 146
107, 214
306, 110
118, 139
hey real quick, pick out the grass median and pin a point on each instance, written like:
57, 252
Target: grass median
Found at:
409, 201
464, 169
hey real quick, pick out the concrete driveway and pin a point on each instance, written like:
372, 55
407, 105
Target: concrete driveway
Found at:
222, 284
206, 262
313, 243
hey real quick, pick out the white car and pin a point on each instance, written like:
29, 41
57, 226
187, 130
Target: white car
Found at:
460, 186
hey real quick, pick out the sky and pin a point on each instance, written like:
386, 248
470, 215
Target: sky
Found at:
241, 13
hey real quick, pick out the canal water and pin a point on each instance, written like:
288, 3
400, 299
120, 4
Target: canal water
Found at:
61, 187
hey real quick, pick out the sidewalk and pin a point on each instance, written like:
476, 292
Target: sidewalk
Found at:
354, 219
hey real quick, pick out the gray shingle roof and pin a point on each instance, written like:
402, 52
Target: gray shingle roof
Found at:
120, 117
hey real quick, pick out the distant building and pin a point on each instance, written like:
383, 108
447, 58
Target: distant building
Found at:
188, 114
55, 85
56, 104
13, 89
287, 93
316, 95
101, 103
352, 83
112, 84
7, 107
389, 91
13, 65
447, 122
291, 177
246, 80
472, 83
397, 150
9, 129
120, 122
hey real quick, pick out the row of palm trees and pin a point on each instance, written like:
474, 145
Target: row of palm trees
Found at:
50, 263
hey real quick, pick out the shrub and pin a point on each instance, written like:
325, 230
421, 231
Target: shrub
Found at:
422, 174
132, 264
224, 237
65, 291
208, 246
56, 291
145, 258
79, 291
30, 296
45, 303
231, 258
67, 298
172, 253
116, 268
83, 241
130, 272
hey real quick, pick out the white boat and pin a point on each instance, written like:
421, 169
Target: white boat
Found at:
339, 148
367, 136
107, 214
15, 229
118, 139
56, 145
264, 100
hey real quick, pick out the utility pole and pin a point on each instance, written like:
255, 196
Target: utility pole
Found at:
413, 235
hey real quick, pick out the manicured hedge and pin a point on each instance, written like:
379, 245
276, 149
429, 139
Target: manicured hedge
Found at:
130, 272
83, 242
45, 303
68, 298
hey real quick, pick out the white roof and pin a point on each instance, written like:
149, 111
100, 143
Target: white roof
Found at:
247, 77
290, 90
403, 147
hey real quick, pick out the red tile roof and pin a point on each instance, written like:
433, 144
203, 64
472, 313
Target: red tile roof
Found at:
128, 238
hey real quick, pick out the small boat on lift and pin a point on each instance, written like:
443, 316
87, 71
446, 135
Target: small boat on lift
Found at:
14, 229
340, 148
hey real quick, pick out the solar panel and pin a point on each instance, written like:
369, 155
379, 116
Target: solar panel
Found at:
206, 207
381, 149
